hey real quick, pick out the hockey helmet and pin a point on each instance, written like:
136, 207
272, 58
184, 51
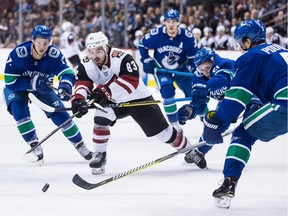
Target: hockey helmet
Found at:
97, 39
42, 31
253, 29
204, 55
66, 25
171, 14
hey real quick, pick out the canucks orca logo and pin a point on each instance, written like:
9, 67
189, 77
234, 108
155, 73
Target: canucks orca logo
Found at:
170, 61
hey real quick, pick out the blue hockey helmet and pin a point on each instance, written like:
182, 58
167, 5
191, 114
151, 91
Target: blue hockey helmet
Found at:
42, 31
204, 55
253, 29
172, 14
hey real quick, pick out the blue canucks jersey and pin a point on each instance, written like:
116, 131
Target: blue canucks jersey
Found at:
170, 53
221, 74
261, 71
21, 67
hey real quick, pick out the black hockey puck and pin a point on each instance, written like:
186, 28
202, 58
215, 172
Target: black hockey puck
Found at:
45, 188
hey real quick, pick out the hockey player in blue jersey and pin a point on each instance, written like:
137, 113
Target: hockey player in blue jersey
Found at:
30, 68
174, 49
211, 80
260, 70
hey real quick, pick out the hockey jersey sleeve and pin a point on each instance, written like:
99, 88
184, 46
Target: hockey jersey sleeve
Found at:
144, 45
84, 85
192, 48
62, 70
127, 81
240, 92
13, 75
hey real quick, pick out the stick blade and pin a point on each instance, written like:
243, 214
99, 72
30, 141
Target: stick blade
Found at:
80, 182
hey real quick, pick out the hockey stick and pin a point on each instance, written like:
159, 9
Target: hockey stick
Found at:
26, 155
89, 186
48, 108
145, 103
175, 72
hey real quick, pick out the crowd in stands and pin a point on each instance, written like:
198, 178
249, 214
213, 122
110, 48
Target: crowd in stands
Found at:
212, 22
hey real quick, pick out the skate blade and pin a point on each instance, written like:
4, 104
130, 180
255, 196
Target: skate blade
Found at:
30, 157
97, 171
33, 159
223, 202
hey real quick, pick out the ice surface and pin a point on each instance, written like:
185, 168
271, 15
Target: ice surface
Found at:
170, 188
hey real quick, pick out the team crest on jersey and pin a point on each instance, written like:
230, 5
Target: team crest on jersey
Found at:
86, 59
170, 61
117, 53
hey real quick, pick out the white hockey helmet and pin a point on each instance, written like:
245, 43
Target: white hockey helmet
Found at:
97, 39
66, 25
197, 31
220, 28
207, 30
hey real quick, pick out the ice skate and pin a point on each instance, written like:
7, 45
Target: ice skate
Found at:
225, 193
84, 151
98, 163
36, 156
194, 156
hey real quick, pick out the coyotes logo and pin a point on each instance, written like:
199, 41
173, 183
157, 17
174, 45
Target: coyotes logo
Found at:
117, 53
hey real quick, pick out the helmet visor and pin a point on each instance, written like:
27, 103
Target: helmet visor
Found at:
205, 68
238, 45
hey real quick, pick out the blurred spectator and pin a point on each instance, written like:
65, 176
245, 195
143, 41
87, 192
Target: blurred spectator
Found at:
221, 38
138, 36
208, 39
133, 27
230, 45
273, 37
69, 44
142, 15
197, 35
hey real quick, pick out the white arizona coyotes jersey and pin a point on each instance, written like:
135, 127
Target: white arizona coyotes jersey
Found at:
121, 75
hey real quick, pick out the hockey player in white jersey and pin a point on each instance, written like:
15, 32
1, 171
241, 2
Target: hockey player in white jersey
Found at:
116, 76
69, 44
174, 49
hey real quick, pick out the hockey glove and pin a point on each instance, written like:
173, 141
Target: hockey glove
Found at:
148, 65
213, 129
41, 84
200, 97
64, 91
185, 113
101, 95
81, 106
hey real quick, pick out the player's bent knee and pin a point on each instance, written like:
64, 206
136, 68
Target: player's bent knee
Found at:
167, 91
166, 134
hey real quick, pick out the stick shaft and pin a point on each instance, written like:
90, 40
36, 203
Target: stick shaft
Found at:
52, 132
88, 186
176, 72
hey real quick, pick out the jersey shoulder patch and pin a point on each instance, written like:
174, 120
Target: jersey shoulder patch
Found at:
117, 53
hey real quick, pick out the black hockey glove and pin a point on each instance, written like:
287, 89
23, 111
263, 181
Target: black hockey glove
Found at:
185, 113
81, 106
101, 95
